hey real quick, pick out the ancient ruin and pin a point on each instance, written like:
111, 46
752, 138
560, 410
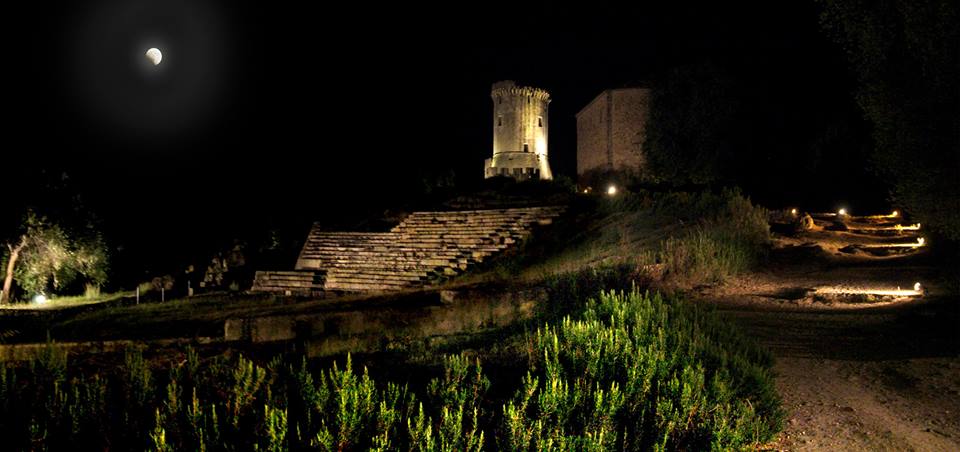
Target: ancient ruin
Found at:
520, 126
424, 249
611, 130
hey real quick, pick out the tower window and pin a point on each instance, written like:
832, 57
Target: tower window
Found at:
526, 147
540, 121
499, 121
499, 100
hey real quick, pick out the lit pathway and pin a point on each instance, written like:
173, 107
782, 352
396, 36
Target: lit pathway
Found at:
864, 362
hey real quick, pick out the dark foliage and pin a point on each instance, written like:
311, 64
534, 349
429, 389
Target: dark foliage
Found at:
906, 55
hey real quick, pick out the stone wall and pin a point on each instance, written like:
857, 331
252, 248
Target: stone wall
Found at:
610, 133
421, 317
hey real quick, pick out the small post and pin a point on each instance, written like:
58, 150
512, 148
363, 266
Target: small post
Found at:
163, 294
189, 289
138, 294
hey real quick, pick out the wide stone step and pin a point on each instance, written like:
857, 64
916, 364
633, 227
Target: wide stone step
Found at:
402, 265
346, 277
463, 219
407, 236
405, 272
475, 222
427, 247
394, 256
411, 250
454, 229
361, 285
427, 243
301, 282
352, 236
459, 226
485, 212
341, 274
445, 269
386, 262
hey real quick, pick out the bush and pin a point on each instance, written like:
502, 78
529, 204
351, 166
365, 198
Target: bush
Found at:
637, 372
626, 371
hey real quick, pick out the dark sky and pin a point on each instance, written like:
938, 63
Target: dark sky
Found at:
262, 111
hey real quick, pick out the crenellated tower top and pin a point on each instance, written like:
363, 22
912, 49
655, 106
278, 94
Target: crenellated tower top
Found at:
510, 88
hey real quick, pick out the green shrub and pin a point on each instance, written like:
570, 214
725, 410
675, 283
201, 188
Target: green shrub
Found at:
625, 371
637, 372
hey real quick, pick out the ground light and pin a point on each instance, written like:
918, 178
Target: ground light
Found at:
894, 214
884, 292
912, 227
898, 228
793, 212
920, 242
842, 212
612, 190
40, 299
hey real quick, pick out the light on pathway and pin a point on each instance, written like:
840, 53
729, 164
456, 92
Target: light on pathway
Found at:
882, 292
612, 190
900, 227
919, 243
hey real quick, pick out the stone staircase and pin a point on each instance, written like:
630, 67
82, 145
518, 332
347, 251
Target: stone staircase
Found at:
425, 248
308, 283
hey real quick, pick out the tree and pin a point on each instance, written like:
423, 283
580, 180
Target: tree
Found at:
689, 134
12, 256
906, 56
45, 256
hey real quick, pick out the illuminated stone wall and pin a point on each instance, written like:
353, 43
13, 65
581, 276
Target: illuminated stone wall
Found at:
610, 134
520, 130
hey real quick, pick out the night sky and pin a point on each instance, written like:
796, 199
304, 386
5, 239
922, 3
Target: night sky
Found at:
275, 112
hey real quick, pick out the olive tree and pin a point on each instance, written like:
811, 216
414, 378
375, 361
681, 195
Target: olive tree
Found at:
45, 256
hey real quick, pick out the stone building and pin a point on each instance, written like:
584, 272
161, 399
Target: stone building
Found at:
611, 130
520, 126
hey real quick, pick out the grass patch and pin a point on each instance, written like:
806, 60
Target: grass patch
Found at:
92, 297
699, 237
729, 236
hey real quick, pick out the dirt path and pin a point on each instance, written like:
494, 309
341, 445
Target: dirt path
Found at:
855, 372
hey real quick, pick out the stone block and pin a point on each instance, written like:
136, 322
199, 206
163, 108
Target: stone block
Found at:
271, 329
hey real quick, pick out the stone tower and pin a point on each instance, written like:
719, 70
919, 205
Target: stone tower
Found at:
519, 132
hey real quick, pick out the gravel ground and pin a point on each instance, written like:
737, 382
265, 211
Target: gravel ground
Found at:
855, 372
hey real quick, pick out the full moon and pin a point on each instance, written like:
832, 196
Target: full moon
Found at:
153, 54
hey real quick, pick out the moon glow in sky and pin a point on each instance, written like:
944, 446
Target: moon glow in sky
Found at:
154, 55
115, 78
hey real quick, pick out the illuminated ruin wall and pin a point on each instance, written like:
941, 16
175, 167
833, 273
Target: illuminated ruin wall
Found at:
611, 130
520, 127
